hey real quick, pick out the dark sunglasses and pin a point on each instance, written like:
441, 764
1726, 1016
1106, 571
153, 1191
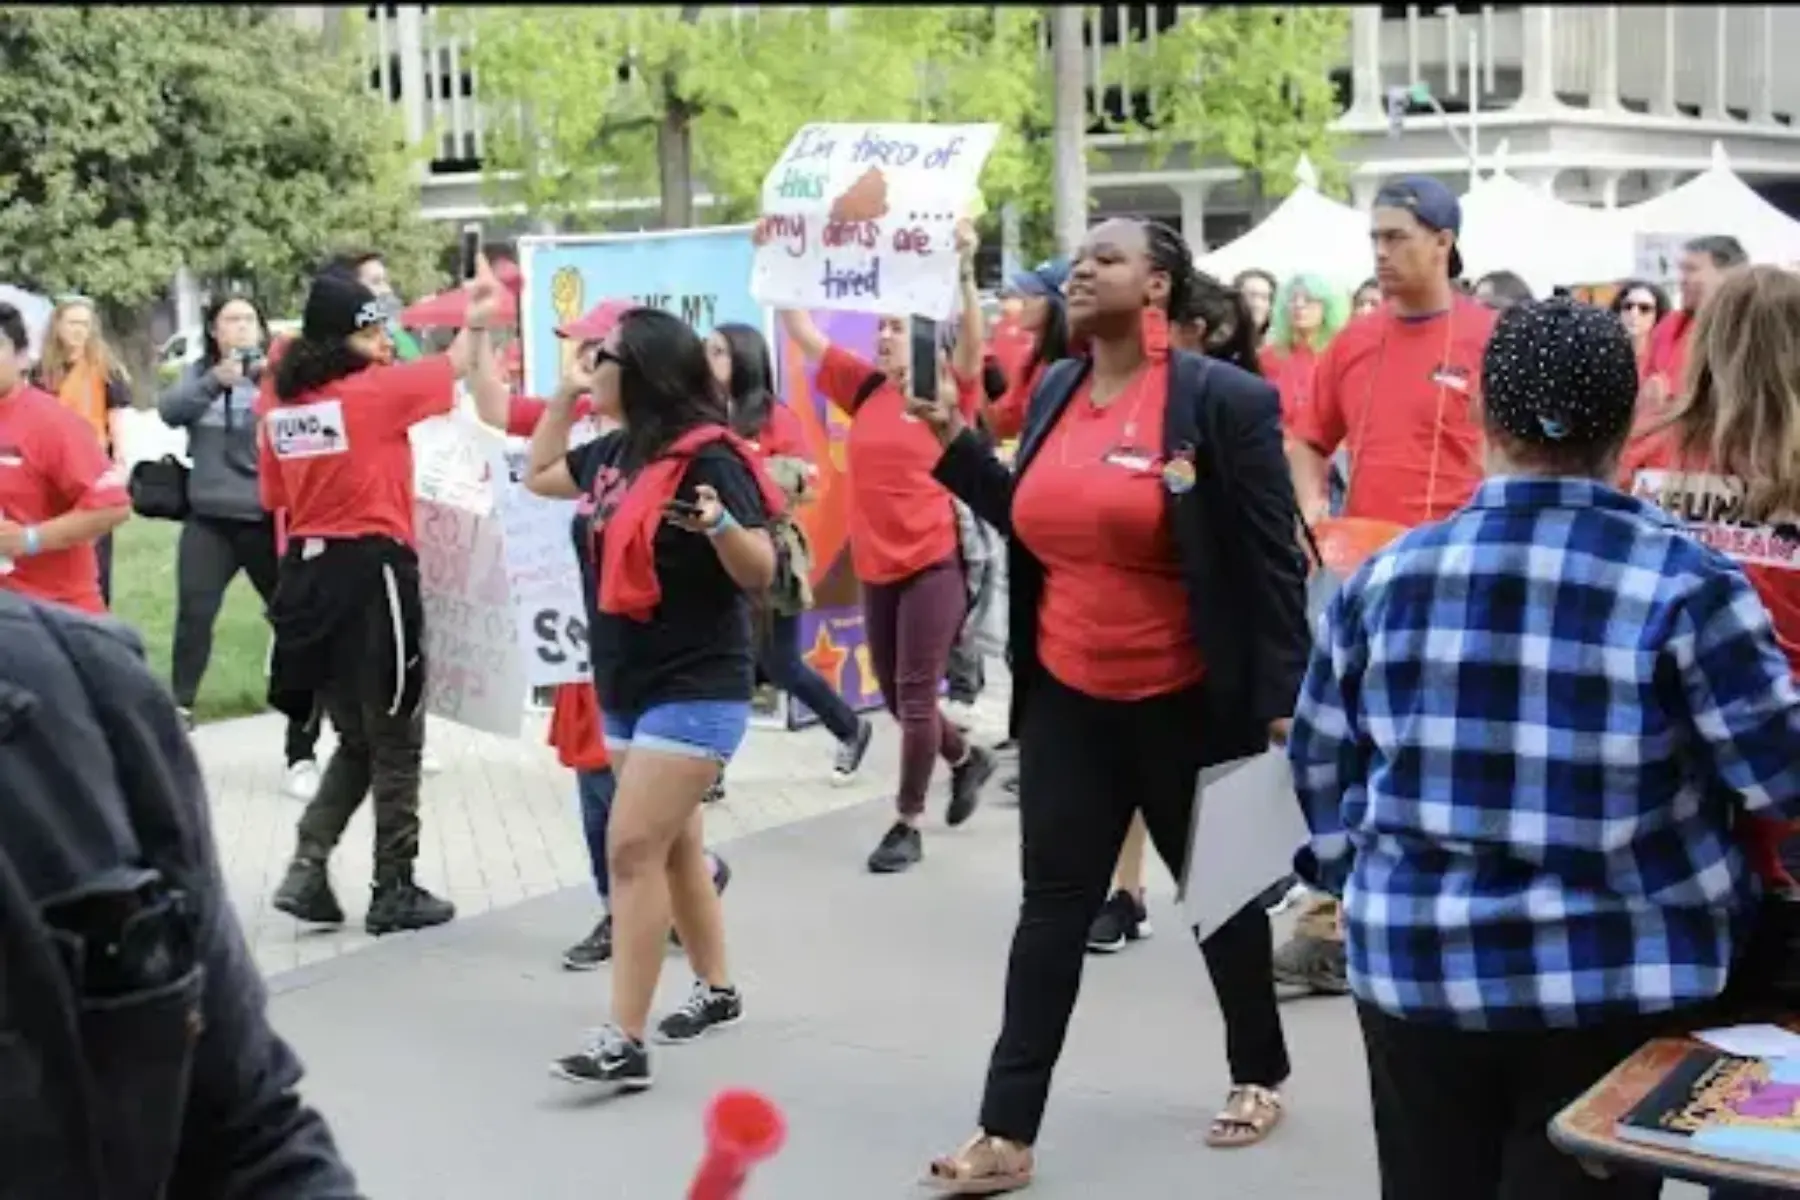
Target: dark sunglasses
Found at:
597, 355
1643, 306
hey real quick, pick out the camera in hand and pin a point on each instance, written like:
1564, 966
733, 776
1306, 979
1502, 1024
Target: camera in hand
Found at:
251, 361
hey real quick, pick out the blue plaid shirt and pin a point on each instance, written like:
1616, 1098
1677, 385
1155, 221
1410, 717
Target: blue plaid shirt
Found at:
1521, 745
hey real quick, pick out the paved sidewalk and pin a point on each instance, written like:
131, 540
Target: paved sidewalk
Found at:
500, 823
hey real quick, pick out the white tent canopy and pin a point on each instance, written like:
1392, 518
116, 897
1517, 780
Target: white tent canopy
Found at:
1718, 201
1511, 226
1307, 233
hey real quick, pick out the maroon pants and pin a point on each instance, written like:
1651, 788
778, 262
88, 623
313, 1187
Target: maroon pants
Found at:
912, 625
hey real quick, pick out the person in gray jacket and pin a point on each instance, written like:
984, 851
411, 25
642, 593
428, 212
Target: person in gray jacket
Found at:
226, 530
136, 1055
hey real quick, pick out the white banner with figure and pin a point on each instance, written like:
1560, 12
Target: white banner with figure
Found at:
473, 669
863, 217
550, 614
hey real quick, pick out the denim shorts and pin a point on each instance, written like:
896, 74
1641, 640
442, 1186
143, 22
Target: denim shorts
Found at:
693, 728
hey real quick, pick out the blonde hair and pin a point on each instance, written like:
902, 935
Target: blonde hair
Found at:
55, 365
1743, 388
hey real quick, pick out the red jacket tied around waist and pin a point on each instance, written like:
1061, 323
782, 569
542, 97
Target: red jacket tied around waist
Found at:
628, 583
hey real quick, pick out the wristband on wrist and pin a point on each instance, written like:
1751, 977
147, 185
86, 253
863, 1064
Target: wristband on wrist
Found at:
722, 524
34, 540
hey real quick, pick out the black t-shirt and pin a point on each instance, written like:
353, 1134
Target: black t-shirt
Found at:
697, 645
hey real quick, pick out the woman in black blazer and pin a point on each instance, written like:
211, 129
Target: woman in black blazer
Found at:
1157, 626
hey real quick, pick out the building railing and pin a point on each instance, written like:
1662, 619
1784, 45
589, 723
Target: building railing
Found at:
1715, 62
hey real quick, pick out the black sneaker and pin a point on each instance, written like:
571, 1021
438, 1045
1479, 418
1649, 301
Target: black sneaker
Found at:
721, 880
399, 905
850, 754
966, 782
592, 950
1122, 919
715, 793
305, 894
707, 1008
900, 848
610, 1059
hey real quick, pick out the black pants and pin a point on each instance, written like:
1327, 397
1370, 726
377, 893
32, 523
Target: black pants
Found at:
1085, 766
208, 557
779, 659
1465, 1114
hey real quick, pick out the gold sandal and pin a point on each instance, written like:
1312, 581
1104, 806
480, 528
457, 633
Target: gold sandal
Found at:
982, 1166
1250, 1115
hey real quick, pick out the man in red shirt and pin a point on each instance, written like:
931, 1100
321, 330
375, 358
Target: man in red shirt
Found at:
1398, 389
1705, 261
59, 492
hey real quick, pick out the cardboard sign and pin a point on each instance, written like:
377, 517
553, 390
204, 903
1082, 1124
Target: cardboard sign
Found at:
545, 580
863, 218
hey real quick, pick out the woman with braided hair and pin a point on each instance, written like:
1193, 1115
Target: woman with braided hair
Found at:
1156, 628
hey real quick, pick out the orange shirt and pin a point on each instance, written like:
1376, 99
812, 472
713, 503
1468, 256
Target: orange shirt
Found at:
339, 459
50, 464
1114, 622
1402, 394
901, 521
1291, 371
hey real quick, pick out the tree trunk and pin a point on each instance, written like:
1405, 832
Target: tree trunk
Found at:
1070, 128
675, 164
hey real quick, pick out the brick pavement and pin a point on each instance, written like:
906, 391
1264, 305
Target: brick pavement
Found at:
500, 823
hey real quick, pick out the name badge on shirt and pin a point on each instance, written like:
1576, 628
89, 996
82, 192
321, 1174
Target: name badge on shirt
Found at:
1132, 459
1453, 377
308, 430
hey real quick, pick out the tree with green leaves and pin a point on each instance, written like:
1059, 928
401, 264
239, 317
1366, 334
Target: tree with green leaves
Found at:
228, 139
618, 103
1251, 85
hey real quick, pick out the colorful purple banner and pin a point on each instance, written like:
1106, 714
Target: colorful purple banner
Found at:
832, 638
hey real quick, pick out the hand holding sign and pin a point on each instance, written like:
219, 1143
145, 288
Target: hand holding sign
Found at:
864, 218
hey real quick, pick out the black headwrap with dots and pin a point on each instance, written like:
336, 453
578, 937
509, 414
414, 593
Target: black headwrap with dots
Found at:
1560, 373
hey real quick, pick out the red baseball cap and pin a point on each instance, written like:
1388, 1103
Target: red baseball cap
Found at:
596, 323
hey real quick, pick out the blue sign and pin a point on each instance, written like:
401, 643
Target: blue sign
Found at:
700, 275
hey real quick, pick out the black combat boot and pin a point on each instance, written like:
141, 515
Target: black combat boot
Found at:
305, 893
399, 904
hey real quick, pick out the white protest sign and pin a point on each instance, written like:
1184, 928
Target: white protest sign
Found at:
454, 462
545, 580
1711, 508
1655, 256
1247, 826
473, 672
863, 217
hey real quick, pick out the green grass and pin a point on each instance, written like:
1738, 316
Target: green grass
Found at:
143, 580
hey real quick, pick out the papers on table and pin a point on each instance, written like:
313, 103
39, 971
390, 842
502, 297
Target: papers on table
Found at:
1753, 1041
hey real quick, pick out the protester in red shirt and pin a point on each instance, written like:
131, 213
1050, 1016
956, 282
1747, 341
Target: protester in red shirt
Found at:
59, 491
1397, 386
1044, 319
577, 727
1640, 306
1157, 626
1727, 466
1398, 389
334, 453
740, 362
903, 545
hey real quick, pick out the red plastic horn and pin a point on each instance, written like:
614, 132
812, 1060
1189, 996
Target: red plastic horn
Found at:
742, 1129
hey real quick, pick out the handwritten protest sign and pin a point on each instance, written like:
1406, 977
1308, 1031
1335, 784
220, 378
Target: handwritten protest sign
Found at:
863, 217
473, 670
550, 616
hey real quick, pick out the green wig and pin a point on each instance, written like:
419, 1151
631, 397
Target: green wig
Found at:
1282, 334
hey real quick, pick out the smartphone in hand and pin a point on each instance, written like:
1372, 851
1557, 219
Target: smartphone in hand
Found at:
469, 252
924, 362
683, 508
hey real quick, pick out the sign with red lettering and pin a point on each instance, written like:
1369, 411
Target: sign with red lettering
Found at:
1711, 509
862, 218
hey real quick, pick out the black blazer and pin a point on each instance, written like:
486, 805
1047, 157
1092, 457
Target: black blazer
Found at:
1236, 530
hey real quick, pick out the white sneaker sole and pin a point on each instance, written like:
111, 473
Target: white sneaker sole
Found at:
640, 1084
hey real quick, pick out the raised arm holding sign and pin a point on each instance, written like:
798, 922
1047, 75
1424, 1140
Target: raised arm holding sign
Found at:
863, 217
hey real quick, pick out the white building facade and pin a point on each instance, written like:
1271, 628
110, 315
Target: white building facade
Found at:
1599, 104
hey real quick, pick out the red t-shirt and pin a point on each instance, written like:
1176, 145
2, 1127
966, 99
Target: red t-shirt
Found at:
339, 460
1291, 371
50, 465
1006, 416
1704, 501
782, 435
1114, 620
576, 730
524, 412
1402, 394
1668, 351
901, 521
